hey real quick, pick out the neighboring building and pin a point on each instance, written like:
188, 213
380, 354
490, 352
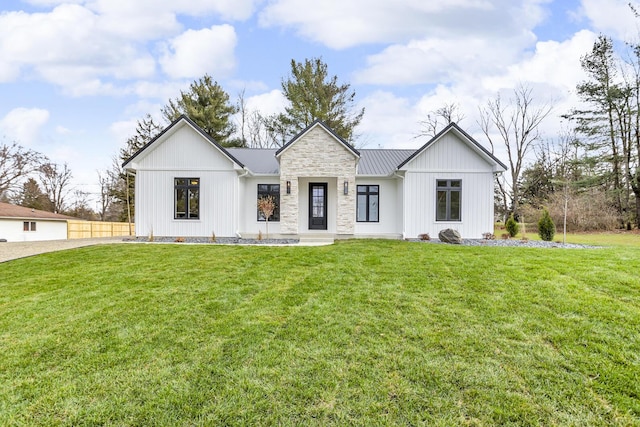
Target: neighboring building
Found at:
20, 224
188, 185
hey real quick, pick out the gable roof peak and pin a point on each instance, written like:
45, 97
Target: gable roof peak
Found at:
454, 127
315, 123
183, 119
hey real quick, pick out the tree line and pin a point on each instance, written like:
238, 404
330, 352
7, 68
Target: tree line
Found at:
589, 175
28, 178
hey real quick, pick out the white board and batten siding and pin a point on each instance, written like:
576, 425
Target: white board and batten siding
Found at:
184, 154
390, 209
249, 224
448, 158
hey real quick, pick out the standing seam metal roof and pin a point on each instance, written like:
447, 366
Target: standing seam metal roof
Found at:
373, 162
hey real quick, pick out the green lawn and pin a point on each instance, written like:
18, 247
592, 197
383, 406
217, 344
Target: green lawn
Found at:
357, 333
617, 238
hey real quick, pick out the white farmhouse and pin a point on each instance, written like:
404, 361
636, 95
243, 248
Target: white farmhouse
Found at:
187, 185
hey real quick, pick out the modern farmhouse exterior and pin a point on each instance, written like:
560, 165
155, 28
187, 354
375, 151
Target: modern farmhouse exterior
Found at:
189, 186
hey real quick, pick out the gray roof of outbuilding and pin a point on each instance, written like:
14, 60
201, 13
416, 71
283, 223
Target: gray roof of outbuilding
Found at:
373, 162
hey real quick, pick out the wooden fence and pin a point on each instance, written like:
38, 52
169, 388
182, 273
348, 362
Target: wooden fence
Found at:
88, 229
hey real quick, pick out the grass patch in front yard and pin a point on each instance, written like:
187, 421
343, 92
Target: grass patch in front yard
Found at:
360, 332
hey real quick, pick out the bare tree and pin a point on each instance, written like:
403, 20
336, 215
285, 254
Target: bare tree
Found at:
107, 181
438, 119
517, 125
55, 182
15, 163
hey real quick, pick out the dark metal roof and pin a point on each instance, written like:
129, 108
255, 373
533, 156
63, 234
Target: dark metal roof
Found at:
381, 161
257, 160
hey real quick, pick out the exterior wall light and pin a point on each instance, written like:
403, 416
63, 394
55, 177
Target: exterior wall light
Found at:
346, 188
288, 187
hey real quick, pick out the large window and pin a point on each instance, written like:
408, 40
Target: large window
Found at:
273, 190
187, 198
449, 192
367, 206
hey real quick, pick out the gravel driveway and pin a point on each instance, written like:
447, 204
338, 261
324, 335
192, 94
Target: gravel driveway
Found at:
15, 250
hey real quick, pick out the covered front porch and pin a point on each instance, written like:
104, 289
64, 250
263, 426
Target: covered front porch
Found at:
316, 206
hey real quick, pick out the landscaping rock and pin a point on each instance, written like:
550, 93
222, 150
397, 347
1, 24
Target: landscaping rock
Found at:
450, 235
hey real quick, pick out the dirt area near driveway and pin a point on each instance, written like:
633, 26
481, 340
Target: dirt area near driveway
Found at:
15, 250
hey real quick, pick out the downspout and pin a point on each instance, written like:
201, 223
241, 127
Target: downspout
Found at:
404, 210
128, 204
242, 175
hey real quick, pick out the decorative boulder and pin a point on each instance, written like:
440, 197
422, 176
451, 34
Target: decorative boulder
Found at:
450, 236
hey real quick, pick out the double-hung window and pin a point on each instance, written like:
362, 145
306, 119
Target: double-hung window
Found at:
368, 202
448, 198
273, 190
187, 198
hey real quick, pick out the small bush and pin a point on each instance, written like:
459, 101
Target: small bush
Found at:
213, 236
512, 226
259, 234
546, 227
505, 236
424, 236
488, 236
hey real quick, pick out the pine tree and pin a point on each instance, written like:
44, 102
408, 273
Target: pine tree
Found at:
207, 104
546, 227
314, 95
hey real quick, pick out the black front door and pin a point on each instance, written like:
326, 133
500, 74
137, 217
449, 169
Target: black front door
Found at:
317, 206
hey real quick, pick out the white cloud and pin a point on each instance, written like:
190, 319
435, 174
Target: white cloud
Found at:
123, 130
436, 60
389, 121
612, 17
194, 53
341, 24
23, 125
68, 47
267, 103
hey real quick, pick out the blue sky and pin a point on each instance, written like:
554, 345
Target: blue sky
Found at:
76, 75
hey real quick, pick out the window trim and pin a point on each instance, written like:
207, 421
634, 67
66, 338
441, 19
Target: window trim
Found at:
269, 192
449, 188
367, 193
188, 187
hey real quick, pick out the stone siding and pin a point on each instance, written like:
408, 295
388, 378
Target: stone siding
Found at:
317, 154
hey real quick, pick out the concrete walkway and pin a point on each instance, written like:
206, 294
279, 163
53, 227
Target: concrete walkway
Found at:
14, 250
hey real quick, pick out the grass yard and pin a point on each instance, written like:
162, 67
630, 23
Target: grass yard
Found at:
357, 333
609, 238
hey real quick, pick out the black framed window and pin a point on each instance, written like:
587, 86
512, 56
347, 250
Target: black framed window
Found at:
187, 198
273, 190
368, 203
448, 199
